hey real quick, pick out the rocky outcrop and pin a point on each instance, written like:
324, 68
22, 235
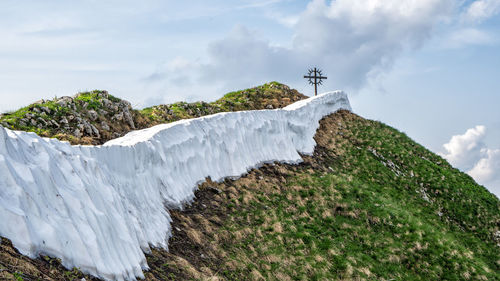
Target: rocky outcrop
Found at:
86, 118
96, 117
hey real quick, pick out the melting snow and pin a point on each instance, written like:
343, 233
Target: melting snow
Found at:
99, 208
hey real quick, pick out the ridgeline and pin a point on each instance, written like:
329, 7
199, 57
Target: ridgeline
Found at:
369, 204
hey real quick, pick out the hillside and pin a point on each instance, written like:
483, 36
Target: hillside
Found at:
368, 204
96, 117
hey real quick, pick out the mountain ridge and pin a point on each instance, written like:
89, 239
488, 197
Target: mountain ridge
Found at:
368, 196
95, 117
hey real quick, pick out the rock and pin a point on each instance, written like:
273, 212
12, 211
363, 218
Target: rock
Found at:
64, 101
102, 112
33, 122
116, 135
36, 109
28, 115
64, 121
22, 122
92, 115
215, 190
43, 114
118, 117
125, 104
77, 133
41, 121
269, 106
70, 118
103, 94
39, 102
107, 103
128, 118
95, 131
105, 126
87, 129
45, 109
54, 123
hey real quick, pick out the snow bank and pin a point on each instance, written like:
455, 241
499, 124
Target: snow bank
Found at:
100, 208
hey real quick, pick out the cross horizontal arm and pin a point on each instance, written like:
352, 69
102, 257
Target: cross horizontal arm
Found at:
317, 77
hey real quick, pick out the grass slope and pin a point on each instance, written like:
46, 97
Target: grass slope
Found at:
370, 204
377, 206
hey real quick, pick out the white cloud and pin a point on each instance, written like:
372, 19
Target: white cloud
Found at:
463, 151
351, 40
488, 168
469, 153
481, 10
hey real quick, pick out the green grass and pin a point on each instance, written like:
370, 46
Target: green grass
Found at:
13, 119
254, 98
366, 221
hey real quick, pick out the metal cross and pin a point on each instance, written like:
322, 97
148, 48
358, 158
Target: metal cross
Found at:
315, 76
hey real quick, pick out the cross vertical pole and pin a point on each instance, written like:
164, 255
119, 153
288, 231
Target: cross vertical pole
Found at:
315, 82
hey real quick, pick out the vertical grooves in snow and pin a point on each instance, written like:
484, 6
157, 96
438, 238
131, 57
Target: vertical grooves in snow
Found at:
100, 208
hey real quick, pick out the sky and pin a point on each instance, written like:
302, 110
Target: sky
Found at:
428, 68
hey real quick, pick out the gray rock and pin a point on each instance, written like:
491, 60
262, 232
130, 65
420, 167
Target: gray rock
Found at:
95, 131
107, 103
105, 126
28, 115
41, 121
87, 129
102, 112
33, 122
54, 123
45, 109
103, 94
77, 133
64, 101
125, 104
71, 117
92, 115
128, 118
64, 121
118, 117
36, 109
269, 106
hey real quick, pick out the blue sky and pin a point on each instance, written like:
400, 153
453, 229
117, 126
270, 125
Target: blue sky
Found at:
427, 67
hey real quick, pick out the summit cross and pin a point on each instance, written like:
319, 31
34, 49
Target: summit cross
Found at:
315, 77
